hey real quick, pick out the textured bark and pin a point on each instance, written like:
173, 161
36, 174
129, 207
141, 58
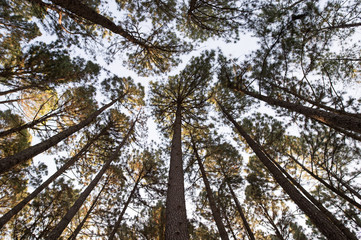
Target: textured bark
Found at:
176, 217
81, 224
4, 219
59, 228
240, 211
321, 221
212, 203
331, 119
130, 198
9, 162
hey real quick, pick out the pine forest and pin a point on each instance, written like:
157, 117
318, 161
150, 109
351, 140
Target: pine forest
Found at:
177, 120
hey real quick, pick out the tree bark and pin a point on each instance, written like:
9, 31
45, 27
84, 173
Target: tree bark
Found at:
59, 228
331, 119
4, 219
240, 211
316, 216
212, 203
176, 217
9, 162
117, 224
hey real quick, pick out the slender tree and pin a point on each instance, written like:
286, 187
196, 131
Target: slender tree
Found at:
317, 217
130, 198
4, 219
212, 203
241, 213
180, 100
56, 232
92, 206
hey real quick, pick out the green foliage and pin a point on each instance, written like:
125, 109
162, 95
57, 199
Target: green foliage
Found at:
45, 66
308, 52
188, 90
16, 29
202, 20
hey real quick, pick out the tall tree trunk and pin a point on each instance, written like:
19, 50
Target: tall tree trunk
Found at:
331, 119
176, 217
27, 125
9, 162
56, 232
4, 219
212, 203
240, 211
81, 224
316, 216
130, 198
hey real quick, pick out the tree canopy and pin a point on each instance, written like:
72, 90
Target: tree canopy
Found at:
142, 119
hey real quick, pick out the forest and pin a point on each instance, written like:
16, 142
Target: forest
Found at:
177, 120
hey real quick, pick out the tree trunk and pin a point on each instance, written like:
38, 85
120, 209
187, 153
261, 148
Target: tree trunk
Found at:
333, 120
84, 11
56, 232
240, 211
212, 203
9, 162
81, 224
176, 227
316, 216
4, 219
117, 224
